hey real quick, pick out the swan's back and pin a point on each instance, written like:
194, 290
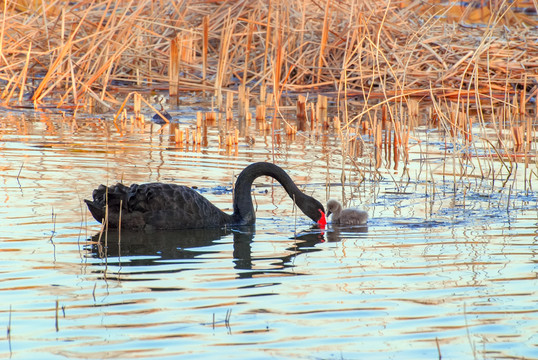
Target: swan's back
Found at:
155, 206
352, 217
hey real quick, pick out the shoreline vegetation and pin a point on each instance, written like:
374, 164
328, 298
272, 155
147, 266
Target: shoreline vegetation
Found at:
70, 52
383, 66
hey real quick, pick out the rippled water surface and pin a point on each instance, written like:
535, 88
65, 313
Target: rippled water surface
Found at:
446, 266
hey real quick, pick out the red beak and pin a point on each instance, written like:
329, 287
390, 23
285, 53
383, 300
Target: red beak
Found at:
322, 220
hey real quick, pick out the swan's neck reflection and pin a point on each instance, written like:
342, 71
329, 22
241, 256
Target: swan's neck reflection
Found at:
180, 250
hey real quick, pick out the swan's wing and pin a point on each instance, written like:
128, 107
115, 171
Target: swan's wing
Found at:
169, 206
155, 205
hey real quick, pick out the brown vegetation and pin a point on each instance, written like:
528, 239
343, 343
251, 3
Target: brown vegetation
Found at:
475, 65
69, 52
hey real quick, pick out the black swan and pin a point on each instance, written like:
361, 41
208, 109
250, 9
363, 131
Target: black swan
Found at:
170, 206
345, 216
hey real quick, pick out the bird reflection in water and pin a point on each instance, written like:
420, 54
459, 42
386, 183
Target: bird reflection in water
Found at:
337, 232
187, 247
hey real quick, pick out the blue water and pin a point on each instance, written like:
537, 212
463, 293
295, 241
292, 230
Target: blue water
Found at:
440, 269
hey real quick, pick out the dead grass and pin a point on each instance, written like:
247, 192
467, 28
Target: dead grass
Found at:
474, 65
65, 53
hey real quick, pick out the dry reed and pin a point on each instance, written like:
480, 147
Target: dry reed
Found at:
389, 55
383, 50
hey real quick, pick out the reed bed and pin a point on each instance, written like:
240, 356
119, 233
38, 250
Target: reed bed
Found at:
373, 62
66, 53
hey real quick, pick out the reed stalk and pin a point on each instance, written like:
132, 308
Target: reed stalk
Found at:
390, 57
387, 52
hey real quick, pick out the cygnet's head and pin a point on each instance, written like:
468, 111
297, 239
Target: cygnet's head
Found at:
333, 206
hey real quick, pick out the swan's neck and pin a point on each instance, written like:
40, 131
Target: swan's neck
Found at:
244, 213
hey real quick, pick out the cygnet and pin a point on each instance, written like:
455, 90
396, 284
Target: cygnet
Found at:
345, 216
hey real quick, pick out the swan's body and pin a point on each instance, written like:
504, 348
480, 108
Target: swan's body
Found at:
345, 216
170, 206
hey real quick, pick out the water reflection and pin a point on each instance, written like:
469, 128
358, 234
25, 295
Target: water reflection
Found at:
336, 232
461, 252
138, 248
185, 247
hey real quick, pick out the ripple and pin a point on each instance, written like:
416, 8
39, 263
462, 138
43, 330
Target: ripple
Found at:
441, 265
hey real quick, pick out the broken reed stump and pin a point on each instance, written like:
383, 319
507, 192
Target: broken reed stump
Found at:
301, 112
260, 112
173, 70
229, 106
321, 110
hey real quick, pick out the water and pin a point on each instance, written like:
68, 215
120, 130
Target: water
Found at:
437, 270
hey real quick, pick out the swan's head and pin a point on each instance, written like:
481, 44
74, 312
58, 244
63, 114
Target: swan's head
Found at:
313, 209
